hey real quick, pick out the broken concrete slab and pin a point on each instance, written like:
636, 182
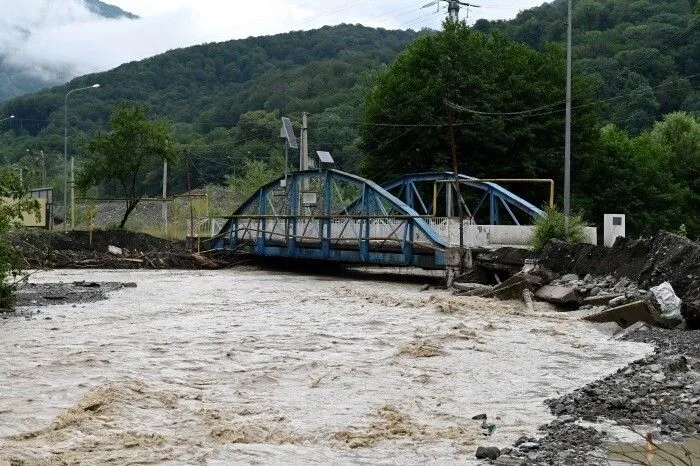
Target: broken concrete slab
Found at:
513, 287
628, 314
637, 326
561, 295
600, 299
471, 289
470, 286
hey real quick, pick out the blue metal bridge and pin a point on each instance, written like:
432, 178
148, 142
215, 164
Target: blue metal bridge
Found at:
335, 216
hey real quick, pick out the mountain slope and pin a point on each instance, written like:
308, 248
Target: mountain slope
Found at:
649, 51
108, 11
219, 94
24, 68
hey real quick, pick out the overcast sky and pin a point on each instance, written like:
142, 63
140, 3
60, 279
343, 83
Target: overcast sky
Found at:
52, 38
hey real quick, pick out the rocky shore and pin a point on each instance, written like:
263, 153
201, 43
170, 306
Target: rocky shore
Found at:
651, 408
656, 398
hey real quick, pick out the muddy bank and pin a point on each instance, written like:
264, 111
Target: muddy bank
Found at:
114, 249
47, 294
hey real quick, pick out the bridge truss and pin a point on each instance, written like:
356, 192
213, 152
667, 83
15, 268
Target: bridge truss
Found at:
336, 216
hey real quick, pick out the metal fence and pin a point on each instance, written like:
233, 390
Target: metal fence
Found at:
176, 217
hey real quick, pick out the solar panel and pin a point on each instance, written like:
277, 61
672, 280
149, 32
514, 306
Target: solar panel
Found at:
324, 157
288, 133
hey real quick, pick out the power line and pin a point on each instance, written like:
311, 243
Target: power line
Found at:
532, 111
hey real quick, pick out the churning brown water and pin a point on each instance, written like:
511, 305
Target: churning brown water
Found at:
261, 367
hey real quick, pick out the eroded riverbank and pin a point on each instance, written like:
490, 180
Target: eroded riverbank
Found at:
270, 367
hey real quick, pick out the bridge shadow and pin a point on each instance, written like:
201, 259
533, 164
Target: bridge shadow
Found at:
331, 270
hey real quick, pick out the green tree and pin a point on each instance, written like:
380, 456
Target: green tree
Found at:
134, 144
633, 176
489, 73
14, 205
257, 174
680, 132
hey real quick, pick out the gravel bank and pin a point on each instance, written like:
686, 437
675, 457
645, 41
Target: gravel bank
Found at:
658, 395
45, 294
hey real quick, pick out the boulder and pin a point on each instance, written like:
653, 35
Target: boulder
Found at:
487, 453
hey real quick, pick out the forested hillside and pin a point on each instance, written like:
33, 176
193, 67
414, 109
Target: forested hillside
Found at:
225, 99
646, 50
636, 63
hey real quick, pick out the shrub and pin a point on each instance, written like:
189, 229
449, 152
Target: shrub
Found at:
553, 226
13, 205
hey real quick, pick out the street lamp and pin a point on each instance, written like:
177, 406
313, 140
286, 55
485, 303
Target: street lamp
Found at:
72, 165
8, 118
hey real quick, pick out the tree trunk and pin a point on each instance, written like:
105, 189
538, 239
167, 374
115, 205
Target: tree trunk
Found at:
130, 206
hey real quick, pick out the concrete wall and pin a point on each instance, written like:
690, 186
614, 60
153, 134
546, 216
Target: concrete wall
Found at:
498, 235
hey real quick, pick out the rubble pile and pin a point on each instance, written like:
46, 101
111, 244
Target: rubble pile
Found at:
611, 284
650, 287
646, 262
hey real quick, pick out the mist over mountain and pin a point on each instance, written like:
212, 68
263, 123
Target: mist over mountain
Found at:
107, 10
38, 42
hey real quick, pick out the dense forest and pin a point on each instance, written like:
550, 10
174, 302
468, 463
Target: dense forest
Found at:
647, 50
225, 99
635, 63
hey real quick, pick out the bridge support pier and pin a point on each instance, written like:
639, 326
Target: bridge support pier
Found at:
457, 260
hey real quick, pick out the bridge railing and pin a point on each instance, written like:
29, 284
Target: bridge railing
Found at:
342, 230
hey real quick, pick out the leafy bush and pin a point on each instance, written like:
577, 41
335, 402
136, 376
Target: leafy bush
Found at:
553, 226
13, 205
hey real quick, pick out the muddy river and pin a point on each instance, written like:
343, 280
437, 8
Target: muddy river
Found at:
265, 367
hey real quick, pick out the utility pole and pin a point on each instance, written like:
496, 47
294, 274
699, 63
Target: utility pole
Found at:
304, 153
567, 133
189, 195
455, 168
165, 195
72, 193
453, 10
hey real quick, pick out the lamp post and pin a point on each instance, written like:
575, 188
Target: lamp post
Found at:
65, 163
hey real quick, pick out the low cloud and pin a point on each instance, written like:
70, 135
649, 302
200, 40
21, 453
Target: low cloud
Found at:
55, 40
